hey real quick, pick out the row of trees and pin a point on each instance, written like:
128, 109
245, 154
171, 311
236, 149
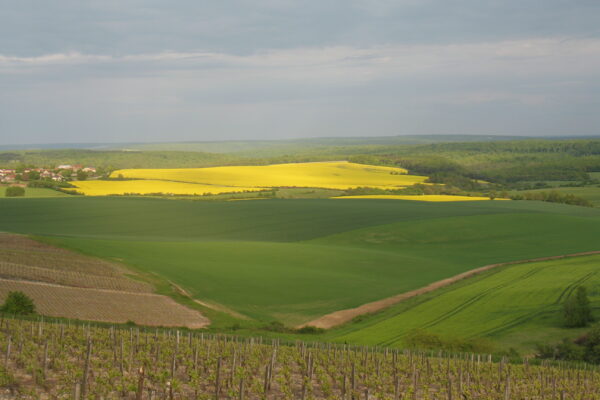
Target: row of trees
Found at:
553, 197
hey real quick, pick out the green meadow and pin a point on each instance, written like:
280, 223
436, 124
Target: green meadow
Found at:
518, 305
294, 260
36, 192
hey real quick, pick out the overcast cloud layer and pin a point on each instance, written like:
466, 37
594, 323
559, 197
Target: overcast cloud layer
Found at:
101, 71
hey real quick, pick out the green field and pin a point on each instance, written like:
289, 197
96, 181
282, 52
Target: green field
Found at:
294, 260
518, 305
36, 192
595, 175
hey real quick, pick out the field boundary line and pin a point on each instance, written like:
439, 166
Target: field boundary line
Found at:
341, 317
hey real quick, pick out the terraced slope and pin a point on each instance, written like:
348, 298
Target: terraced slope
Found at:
66, 284
22, 258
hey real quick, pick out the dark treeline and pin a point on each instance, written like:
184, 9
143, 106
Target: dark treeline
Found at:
553, 197
505, 163
571, 147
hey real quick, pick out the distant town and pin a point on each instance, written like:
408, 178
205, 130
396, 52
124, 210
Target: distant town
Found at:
62, 173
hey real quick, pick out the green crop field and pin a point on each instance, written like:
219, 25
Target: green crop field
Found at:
260, 220
36, 192
518, 305
294, 260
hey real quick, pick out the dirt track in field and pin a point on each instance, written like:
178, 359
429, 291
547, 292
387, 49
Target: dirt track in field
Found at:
337, 318
212, 306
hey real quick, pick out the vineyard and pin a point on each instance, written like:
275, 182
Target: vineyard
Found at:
18, 249
66, 284
70, 278
64, 361
22, 258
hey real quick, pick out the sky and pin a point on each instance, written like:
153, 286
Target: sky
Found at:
74, 71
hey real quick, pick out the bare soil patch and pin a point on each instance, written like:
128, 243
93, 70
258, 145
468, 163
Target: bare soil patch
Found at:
337, 318
105, 305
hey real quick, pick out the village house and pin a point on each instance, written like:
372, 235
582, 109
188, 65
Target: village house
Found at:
11, 175
7, 175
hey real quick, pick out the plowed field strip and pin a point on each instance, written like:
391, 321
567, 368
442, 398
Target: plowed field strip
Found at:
105, 305
71, 278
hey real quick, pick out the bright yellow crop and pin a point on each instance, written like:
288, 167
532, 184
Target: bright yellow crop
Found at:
332, 175
417, 197
104, 188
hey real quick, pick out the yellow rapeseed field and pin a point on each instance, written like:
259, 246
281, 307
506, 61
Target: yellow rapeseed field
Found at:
331, 175
418, 198
104, 188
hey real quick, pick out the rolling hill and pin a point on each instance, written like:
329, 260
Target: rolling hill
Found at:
294, 260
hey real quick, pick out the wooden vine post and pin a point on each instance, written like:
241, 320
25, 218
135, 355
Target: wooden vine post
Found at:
86, 369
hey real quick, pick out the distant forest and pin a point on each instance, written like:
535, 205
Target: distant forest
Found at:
503, 162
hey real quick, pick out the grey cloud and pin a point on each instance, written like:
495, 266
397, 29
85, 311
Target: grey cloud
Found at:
30, 27
190, 70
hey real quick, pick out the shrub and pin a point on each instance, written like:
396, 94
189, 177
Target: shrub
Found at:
7, 379
420, 339
585, 348
310, 330
276, 326
235, 327
48, 184
18, 303
577, 310
15, 191
565, 350
82, 176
